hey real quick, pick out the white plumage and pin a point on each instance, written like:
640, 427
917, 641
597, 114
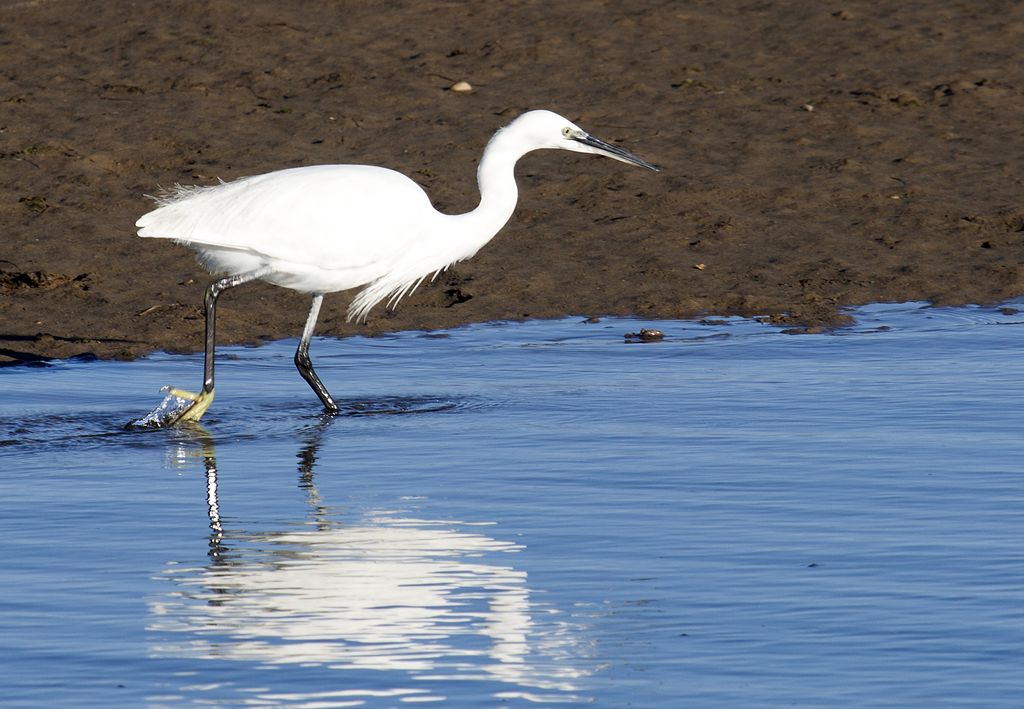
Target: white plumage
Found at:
318, 229
329, 228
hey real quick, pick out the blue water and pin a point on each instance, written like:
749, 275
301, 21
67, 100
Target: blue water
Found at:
521, 514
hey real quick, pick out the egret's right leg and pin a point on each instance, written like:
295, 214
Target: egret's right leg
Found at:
201, 401
305, 365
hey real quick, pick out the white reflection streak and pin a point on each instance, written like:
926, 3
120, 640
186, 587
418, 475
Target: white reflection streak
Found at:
385, 594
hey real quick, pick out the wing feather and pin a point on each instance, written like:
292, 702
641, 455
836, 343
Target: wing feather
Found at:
331, 216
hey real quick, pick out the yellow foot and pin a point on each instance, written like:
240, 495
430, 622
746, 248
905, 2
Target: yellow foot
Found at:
194, 411
177, 407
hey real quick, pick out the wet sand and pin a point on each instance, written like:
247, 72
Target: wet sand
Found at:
814, 156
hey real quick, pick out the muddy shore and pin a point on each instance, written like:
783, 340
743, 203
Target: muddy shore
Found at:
814, 156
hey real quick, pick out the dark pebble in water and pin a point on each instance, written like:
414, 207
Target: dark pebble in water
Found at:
645, 335
807, 330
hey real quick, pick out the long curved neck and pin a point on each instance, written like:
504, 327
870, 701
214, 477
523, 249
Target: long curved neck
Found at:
498, 191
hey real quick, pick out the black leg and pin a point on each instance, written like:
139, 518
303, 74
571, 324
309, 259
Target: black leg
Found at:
202, 400
210, 301
305, 365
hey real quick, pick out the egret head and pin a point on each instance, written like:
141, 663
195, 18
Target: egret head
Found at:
550, 130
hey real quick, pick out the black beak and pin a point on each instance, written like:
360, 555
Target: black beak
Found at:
614, 151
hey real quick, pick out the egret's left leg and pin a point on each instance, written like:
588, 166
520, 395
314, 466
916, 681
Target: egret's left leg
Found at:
305, 365
201, 401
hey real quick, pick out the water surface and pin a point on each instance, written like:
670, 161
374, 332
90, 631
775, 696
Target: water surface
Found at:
531, 513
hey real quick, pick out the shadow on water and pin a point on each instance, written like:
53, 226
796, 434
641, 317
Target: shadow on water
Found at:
85, 429
425, 600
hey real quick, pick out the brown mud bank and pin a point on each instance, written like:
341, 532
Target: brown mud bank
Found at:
814, 156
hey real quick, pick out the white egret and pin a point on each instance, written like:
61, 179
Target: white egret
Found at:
328, 228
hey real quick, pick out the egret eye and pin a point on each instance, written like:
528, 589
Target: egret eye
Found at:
567, 132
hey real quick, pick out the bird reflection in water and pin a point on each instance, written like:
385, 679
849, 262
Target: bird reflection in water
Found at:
385, 592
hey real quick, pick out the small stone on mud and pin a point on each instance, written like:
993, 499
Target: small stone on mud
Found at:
461, 87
